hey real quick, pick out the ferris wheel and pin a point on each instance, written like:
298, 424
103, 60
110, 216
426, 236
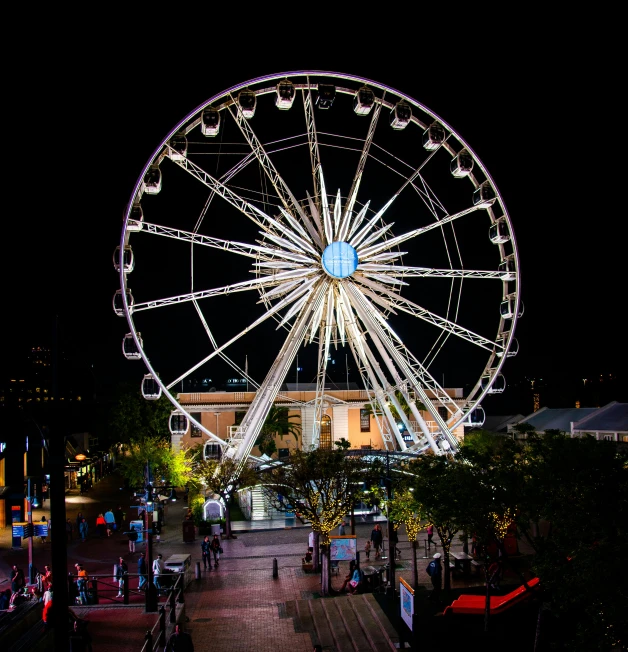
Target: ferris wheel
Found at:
322, 211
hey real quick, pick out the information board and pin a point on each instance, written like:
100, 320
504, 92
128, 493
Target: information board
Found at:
343, 548
406, 595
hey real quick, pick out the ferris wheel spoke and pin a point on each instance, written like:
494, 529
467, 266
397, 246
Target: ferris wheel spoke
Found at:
277, 281
366, 253
280, 305
252, 212
375, 328
426, 272
240, 248
290, 204
242, 444
355, 185
373, 379
444, 324
312, 137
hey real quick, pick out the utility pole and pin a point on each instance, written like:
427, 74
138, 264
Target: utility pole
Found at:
391, 545
29, 518
151, 592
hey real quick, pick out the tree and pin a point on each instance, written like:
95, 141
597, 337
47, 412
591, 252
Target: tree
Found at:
221, 478
154, 456
321, 485
573, 511
405, 508
132, 417
277, 423
441, 499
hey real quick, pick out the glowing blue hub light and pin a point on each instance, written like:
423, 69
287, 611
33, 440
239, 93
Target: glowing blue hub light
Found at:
340, 259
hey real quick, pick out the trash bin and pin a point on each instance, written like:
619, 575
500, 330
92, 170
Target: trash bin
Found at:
189, 533
215, 529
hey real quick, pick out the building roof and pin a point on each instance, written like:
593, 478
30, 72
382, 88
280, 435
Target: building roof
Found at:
610, 418
500, 424
556, 418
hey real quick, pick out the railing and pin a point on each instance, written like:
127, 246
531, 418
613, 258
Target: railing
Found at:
169, 614
103, 589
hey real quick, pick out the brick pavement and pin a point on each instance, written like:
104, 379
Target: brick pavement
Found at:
238, 607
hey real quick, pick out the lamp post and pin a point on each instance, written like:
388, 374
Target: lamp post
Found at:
29, 518
151, 591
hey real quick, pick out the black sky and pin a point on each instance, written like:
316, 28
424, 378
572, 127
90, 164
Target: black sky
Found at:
86, 123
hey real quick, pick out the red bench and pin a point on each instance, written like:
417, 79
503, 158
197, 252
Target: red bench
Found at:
476, 604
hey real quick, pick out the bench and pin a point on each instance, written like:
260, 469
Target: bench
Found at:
476, 604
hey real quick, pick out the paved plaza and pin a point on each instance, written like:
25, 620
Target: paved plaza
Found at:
239, 606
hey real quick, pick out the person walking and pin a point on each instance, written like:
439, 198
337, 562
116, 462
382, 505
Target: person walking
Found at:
81, 582
17, 583
435, 570
68, 531
119, 571
205, 550
46, 612
377, 539
45, 522
46, 577
101, 526
83, 530
180, 641
132, 540
430, 536
158, 571
141, 571
216, 549
79, 520
367, 549
341, 529
110, 520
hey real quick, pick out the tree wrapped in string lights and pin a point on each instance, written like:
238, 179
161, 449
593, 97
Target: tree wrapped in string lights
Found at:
320, 486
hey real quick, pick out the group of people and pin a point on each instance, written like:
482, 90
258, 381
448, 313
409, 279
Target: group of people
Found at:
106, 524
209, 548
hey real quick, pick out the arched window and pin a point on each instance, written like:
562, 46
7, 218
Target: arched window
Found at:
325, 441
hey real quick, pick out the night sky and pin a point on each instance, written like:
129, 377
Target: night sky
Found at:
87, 124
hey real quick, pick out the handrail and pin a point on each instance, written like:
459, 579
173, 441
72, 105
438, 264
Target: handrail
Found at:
157, 637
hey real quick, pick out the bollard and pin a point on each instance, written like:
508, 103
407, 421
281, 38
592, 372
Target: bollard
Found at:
275, 569
425, 556
95, 590
197, 572
162, 626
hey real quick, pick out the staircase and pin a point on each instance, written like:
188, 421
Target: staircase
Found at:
346, 623
259, 506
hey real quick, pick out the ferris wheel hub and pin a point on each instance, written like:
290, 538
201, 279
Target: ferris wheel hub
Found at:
340, 259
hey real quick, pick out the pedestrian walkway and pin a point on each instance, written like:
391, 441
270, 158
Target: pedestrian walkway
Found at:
240, 606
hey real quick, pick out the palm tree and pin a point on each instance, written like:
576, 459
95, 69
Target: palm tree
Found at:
277, 423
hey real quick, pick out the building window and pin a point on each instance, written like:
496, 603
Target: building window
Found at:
325, 440
443, 413
365, 421
195, 431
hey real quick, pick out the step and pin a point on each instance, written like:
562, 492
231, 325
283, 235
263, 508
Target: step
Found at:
347, 630
382, 618
322, 625
368, 616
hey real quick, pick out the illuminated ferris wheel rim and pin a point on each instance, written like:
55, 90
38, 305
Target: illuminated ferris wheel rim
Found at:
256, 86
